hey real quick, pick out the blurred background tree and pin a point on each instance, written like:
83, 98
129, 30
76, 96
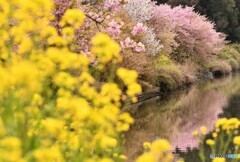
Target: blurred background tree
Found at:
178, 2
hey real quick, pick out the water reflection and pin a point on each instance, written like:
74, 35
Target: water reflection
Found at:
177, 116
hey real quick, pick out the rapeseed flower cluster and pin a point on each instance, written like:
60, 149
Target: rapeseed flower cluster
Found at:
219, 160
224, 136
159, 150
50, 106
227, 124
129, 78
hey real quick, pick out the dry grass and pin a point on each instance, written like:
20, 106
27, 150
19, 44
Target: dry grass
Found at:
139, 62
189, 70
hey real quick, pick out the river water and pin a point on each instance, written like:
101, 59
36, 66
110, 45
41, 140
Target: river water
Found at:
178, 115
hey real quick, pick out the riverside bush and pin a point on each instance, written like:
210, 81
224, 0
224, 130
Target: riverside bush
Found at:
230, 54
219, 67
168, 74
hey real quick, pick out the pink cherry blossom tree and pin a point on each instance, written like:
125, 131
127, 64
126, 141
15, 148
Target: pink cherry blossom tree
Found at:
186, 29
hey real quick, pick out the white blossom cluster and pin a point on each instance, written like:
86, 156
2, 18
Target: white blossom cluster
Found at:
140, 10
152, 44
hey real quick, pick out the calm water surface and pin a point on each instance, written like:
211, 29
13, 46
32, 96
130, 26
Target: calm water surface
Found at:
178, 115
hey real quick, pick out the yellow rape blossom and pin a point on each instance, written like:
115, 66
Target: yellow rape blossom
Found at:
105, 48
48, 154
51, 107
128, 76
210, 142
195, 133
2, 128
63, 79
123, 157
111, 91
161, 145
126, 118
146, 157
10, 149
214, 135
203, 130
72, 17
134, 89
25, 45
37, 100
236, 140
160, 151
220, 122
52, 127
218, 160
86, 77
147, 145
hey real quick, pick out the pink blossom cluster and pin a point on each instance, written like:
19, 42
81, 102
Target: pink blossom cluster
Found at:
101, 17
193, 32
129, 43
95, 12
96, 16
60, 7
141, 11
114, 5
139, 47
138, 29
114, 28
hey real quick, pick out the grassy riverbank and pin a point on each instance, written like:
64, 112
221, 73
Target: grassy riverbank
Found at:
170, 73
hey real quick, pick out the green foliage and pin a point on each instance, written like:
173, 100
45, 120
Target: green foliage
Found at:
219, 67
234, 63
228, 52
231, 55
168, 75
163, 60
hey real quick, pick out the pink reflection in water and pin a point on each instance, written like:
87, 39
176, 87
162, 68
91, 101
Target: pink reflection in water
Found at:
210, 106
175, 120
